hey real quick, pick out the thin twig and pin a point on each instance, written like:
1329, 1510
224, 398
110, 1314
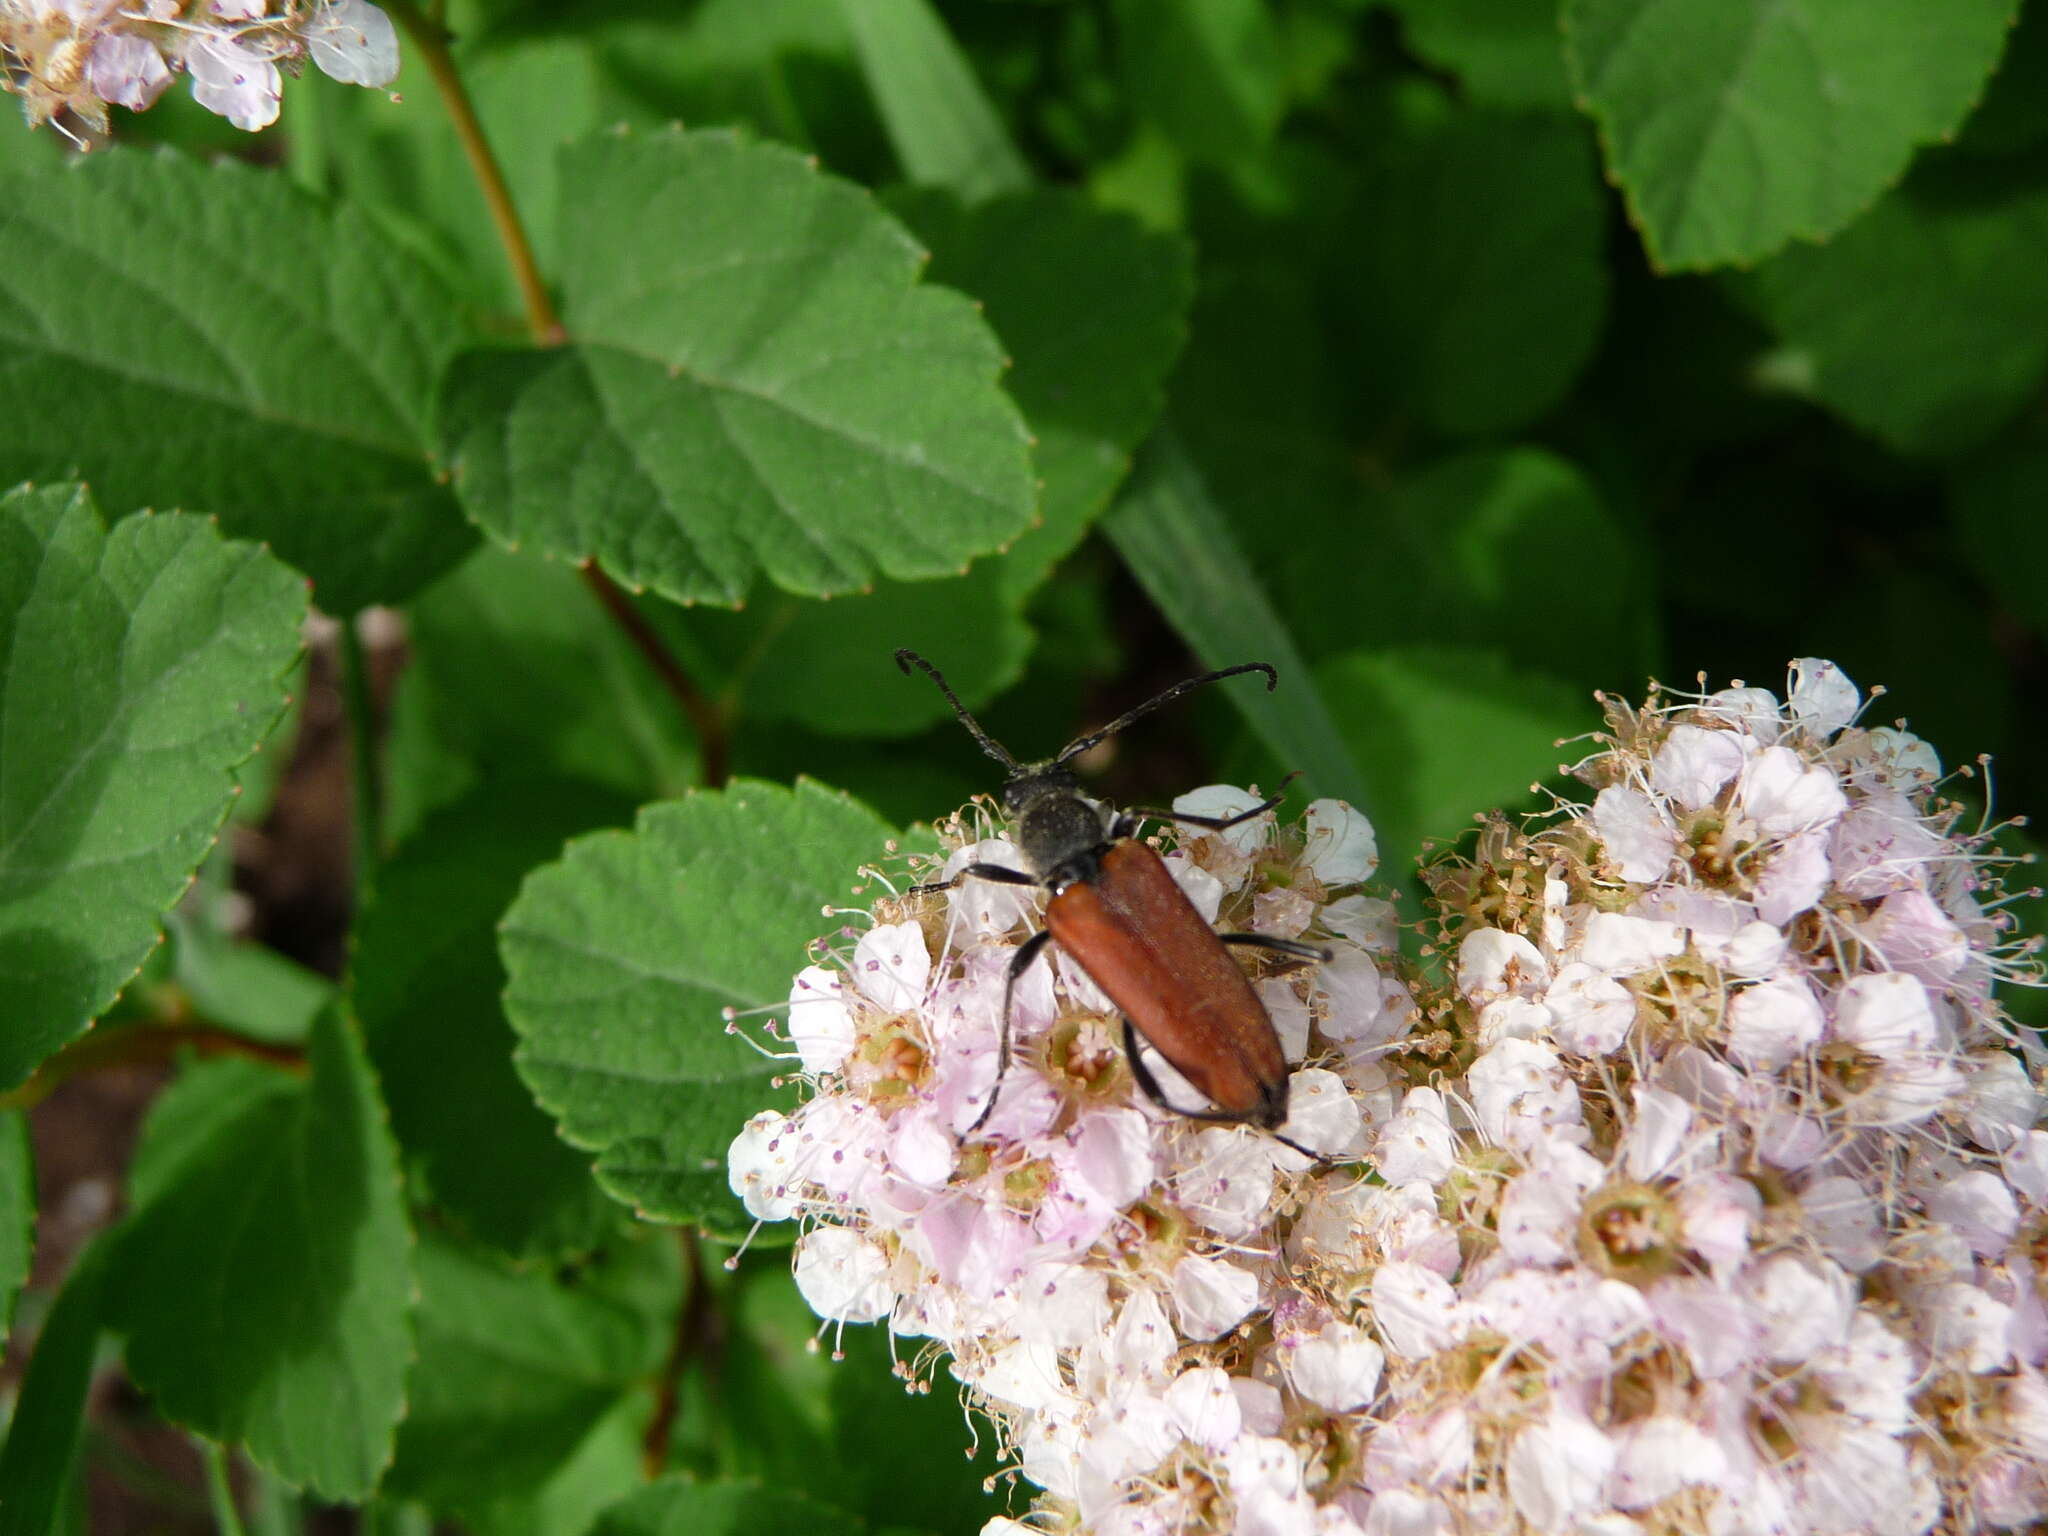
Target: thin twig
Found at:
125, 1045
705, 717
693, 1332
431, 39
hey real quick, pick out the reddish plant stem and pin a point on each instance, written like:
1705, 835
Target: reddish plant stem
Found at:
126, 1045
705, 717
692, 1340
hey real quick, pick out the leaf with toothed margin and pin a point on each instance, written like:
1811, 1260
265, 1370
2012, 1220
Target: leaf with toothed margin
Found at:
264, 1281
138, 666
1736, 126
622, 954
757, 386
217, 337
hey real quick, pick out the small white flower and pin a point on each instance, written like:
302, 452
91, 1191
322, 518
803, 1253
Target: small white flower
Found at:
1341, 848
843, 1276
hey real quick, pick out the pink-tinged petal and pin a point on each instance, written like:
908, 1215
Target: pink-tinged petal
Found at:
892, 966
1785, 795
1822, 697
1493, 963
1754, 711
1416, 1310
1978, 1206
1694, 764
820, 1027
1590, 1011
1804, 1306
1661, 1455
1421, 1451
1913, 934
1657, 1133
1886, 1013
127, 70
1557, 1470
1341, 846
843, 1276
1212, 1296
1774, 1023
1717, 1329
1637, 832
1336, 1368
1321, 1115
354, 42
1204, 1408
1416, 1145
1845, 1220
1623, 946
1967, 1328
229, 80
1793, 878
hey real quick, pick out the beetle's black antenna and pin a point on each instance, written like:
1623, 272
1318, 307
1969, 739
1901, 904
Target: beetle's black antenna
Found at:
906, 659
1076, 748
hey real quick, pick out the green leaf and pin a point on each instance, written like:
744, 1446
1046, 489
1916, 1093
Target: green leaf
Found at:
946, 132
1480, 324
1926, 322
1735, 126
1461, 549
215, 336
601, 1470
17, 1213
758, 386
2014, 114
1209, 72
1182, 551
622, 954
518, 672
828, 666
513, 1371
1094, 309
138, 667
427, 983
673, 1507
1996, 503
1444, 734
37, 1462
1505, 53
243, 986
263, 1281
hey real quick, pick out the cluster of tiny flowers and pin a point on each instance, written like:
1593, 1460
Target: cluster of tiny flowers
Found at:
1103, 1273
72, 59
1690, 1183
1746, 1206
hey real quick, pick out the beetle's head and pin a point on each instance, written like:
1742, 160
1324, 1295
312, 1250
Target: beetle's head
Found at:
1034, 781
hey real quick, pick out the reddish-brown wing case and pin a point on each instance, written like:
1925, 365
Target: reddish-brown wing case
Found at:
1143, 943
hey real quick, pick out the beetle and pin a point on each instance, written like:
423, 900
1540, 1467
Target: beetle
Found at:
1112, 904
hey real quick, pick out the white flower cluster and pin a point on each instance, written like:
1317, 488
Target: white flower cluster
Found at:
1693, 1184
78, 57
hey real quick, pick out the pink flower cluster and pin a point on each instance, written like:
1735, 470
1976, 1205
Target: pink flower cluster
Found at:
1692, 1181
78, 57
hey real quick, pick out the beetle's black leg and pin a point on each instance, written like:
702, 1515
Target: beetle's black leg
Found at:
1279, 946
1208, 823
1019, 964
1150, 1084
1000, 874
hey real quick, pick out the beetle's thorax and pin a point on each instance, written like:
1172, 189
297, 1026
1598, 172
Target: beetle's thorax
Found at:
1060, 832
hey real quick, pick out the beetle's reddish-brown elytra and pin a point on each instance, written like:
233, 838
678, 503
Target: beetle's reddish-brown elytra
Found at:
1114, 907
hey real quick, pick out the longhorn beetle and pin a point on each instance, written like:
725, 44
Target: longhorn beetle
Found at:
1113, 906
